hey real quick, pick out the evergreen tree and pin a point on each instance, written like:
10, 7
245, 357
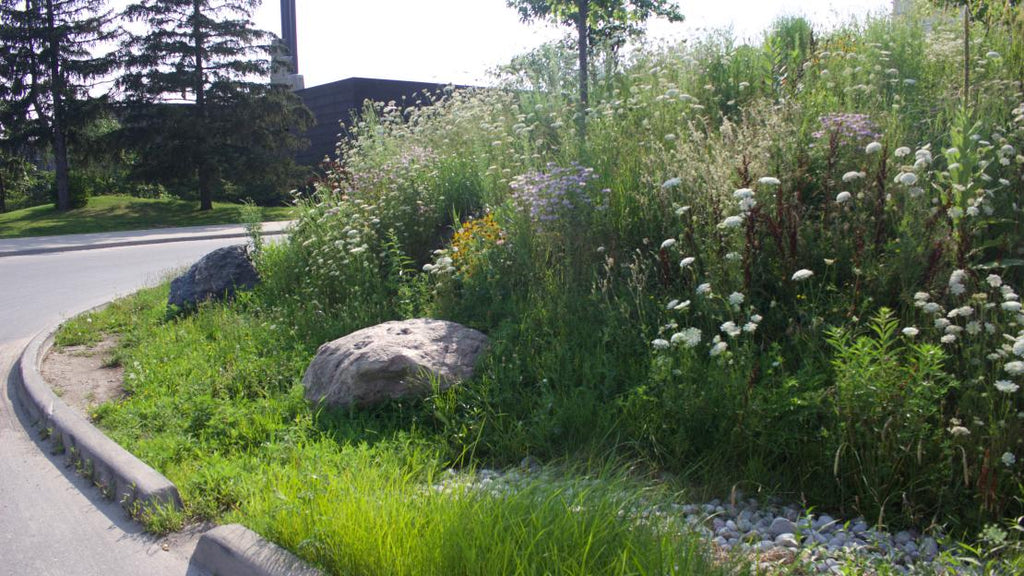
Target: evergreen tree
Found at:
49, 61
188, 76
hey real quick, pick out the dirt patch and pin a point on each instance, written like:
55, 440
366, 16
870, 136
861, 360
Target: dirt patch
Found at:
82, 375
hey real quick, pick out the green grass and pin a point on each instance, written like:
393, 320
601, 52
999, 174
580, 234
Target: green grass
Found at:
117, 213
723, 370
226, 422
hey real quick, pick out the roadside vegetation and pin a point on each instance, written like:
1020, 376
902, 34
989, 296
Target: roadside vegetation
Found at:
787, 269
117, 213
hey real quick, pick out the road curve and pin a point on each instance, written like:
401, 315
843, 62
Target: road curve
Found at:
52, 522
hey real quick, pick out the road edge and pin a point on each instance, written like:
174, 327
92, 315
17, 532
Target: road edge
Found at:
228, 550
138, 242
117, 472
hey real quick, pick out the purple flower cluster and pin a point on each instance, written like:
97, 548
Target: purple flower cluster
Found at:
556, 192
848, 128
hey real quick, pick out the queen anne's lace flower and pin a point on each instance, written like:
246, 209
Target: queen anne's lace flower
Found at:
1006, 387
802, 274
688, 337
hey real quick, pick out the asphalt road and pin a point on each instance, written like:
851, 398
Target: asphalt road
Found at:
52, 522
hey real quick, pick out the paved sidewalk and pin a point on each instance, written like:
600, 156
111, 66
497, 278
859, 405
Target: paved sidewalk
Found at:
71, 242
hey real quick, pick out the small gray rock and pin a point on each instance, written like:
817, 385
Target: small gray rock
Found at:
929, 549
787, 540
823, 522
781, 526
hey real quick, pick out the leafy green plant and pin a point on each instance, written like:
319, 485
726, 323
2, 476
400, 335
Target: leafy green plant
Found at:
889, 408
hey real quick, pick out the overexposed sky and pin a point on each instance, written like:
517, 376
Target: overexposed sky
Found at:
459, 41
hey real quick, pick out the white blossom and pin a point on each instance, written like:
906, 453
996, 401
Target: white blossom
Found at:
688, 337
907, 178
685, 262
731, 222
1006, 387
668, 243
730, 329
872, 147
802, 274
659, 344
843, 197
910, 331
959, 431
718, 348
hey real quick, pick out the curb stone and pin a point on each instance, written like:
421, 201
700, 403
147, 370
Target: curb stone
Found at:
234, 550
229, 550
118, 473
275, 230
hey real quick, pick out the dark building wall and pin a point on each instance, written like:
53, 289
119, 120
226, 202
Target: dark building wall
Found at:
336, 103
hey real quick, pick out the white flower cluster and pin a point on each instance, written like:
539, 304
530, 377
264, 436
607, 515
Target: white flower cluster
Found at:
956, 282
443, 264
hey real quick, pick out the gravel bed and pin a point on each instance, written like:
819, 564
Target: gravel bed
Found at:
769, 533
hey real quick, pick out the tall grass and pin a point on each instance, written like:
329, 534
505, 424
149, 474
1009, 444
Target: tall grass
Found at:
792, 265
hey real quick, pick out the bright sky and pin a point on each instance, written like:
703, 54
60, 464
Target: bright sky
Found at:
459, 41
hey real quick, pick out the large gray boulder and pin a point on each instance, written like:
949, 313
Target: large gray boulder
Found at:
390, 361
216, 276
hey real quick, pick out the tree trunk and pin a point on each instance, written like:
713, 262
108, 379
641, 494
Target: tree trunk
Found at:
57, 126
583, 42
199, 86
3, 193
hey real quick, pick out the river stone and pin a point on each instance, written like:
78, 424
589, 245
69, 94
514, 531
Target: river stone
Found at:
390, 361
216, 276
781, 526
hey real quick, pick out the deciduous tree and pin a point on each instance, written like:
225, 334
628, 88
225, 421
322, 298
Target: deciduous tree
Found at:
614, 21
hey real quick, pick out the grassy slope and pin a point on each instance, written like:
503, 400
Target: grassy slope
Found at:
115, 213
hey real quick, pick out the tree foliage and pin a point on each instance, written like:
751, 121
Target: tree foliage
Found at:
49, 64
199, 108
610, 21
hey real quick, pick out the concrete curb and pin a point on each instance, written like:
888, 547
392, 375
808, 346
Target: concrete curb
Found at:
134, 242
230, 550
234, 550
116, 471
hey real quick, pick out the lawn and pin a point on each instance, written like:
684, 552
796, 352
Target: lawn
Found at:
118, 213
